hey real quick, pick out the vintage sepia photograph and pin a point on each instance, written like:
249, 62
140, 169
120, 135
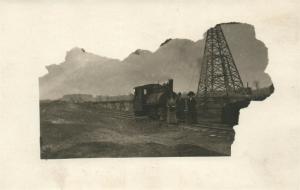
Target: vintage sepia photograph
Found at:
141, 94
182, 99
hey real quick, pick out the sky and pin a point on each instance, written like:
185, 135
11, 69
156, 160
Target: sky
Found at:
179, 59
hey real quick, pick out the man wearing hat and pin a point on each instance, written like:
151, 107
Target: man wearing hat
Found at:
180, 104
191, 103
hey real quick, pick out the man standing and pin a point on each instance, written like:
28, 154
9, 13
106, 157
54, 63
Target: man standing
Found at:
171, 112
180, 107
192, 112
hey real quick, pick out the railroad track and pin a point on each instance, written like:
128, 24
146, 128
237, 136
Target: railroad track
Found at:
213, 132
121, 115
217, 128
210, 129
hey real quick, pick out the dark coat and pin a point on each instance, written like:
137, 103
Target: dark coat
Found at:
180, 104
191, 103
192, 112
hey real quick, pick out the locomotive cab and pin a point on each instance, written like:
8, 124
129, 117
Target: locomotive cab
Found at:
141, 93
149, 98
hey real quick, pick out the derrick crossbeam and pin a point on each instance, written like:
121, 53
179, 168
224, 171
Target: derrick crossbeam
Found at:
219, 75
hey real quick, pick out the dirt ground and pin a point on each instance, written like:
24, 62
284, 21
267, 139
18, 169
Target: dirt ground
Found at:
81, 131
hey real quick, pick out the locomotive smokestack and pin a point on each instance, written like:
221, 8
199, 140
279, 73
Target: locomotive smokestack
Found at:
171, 85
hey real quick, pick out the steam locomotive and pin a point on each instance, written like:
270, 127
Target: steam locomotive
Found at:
148, 100
151, 99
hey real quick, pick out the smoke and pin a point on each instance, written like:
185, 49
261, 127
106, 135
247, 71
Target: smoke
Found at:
179, 59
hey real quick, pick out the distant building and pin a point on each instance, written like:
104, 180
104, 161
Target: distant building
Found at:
262, 93
78, 98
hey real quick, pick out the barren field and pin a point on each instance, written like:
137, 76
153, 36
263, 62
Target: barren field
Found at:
71, 130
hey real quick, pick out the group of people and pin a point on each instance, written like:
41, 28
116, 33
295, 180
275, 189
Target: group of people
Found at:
180, 109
